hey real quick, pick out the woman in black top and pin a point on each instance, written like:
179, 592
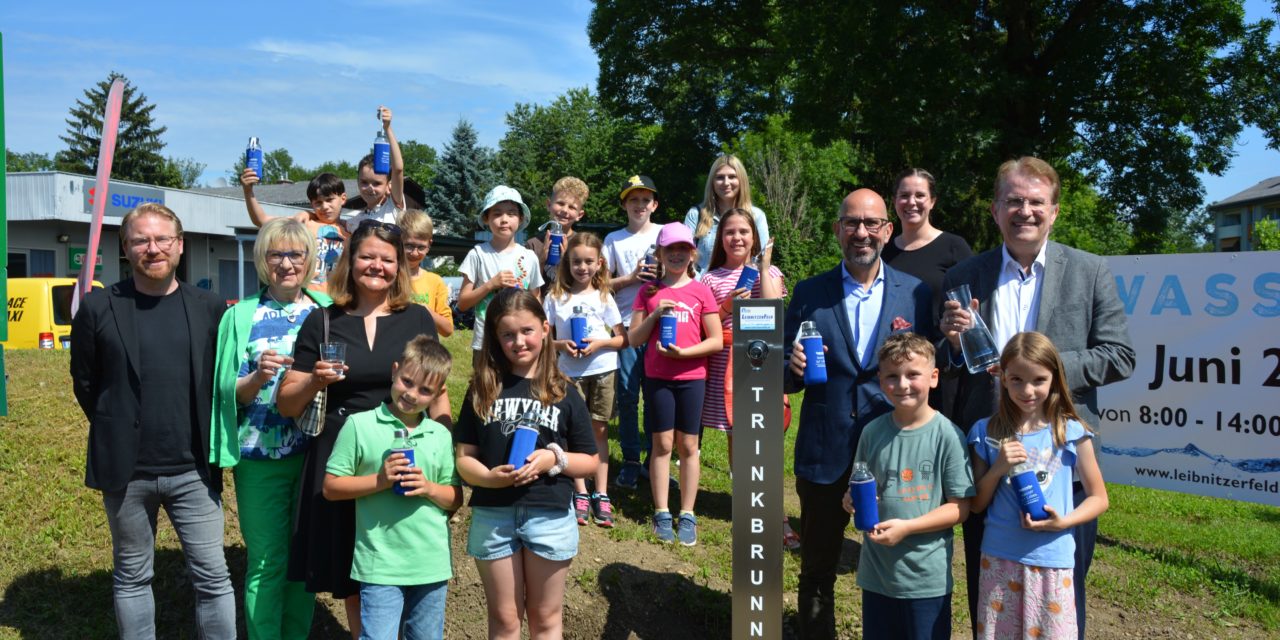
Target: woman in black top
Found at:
925, 252
373, 315
922, 249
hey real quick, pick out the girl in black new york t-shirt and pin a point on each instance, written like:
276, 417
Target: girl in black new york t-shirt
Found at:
522, 524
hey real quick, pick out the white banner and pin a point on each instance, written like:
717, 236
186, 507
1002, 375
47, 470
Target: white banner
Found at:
1201, 413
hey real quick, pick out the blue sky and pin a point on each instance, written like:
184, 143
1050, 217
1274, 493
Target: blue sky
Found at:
309, 80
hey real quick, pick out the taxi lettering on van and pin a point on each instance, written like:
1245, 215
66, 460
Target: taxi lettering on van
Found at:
40, 306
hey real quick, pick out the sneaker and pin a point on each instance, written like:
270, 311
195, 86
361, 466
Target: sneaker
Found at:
602, 511
662, 527
687, 530
581, 507
629, 476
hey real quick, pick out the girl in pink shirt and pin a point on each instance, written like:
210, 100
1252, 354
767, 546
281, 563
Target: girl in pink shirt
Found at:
675, 383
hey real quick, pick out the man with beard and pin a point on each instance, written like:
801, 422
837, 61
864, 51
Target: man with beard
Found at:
1032, 284
142, 369
855, 306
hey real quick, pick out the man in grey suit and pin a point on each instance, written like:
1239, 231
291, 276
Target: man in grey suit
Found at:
1031, 284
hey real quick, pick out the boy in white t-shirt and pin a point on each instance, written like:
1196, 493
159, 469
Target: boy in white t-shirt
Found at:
383, 194
499, 263
625, 251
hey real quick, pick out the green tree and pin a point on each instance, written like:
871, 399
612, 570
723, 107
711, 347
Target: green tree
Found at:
277, 166
181, 173
138, 144
799, 185
29, 161
419, 161
1136, 96
572, 136
1266, 235
340, 168
462, 176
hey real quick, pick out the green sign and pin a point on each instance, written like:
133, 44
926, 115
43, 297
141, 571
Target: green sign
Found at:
75, 258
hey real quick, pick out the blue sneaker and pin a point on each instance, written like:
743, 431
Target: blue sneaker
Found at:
688, 530
629, 476
662, 527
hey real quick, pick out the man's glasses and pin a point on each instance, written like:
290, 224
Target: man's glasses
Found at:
163, 243
371, 225
416, 247
1016, 204
277, 258
873, 225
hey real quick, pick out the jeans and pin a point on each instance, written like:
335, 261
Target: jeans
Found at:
822, 523
196, 513
630, 375
414, 612
905, 618
275, 608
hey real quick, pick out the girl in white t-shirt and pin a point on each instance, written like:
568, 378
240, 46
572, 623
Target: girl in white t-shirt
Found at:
582, 284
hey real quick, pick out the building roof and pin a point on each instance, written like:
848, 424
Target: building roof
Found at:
294, 194
1268, 189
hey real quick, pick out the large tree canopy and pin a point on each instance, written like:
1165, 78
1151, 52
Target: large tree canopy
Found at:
1134, 97
573, 136
138, 143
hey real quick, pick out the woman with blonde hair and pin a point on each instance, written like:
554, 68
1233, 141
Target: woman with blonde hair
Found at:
727, 188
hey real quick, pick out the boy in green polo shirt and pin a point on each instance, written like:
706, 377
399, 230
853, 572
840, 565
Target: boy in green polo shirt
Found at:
402, 557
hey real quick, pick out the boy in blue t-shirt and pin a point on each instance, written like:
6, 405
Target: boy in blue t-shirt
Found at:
924, 483
402, 559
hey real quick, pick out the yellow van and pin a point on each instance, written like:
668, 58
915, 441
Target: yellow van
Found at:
40, 306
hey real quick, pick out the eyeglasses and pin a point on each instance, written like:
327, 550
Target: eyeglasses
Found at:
163, 243
416, 247
873, 225
277, 258
370, 225
1016, 204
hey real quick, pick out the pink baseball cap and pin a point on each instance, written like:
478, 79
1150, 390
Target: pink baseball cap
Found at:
675, 233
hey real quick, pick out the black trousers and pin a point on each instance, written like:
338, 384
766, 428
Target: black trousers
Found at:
1086, 537
822, 524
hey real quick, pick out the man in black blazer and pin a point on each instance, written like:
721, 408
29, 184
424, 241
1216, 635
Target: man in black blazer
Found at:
142, 356
855, 306
1031, 284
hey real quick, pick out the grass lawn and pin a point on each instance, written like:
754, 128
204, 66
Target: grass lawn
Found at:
1165, 561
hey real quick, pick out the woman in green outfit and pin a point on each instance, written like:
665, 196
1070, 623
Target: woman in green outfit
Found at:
255, 343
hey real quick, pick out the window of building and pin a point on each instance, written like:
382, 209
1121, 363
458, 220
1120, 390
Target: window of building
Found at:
1229, 244
1230, 219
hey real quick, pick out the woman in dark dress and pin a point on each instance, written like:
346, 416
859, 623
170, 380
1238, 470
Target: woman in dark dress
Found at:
924, 251
372, 313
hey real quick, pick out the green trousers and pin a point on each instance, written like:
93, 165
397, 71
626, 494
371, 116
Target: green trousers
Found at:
267, 496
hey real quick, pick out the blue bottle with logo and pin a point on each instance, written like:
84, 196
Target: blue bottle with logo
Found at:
650, 261
750, 273
578, 326
402, 444
381, 153
253, 157
524, 440
862, 489
556, 243
668, 323
1026, 486
815, 366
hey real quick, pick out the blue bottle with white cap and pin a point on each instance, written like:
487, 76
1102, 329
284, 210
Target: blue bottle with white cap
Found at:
253, 157
402, 444
578, 326
668, 323
381, 153
555, 243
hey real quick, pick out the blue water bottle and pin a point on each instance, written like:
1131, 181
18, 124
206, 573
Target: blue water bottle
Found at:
578, 326
556, 242
253, 157
402, 444
750, 273
815, 366
651, 261
381, 153
667, 327
1026, 486
524, 440
862, 488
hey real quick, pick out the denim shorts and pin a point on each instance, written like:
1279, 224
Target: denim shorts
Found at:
498, 532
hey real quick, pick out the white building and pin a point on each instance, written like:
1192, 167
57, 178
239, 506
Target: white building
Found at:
1234, 216
48, 226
